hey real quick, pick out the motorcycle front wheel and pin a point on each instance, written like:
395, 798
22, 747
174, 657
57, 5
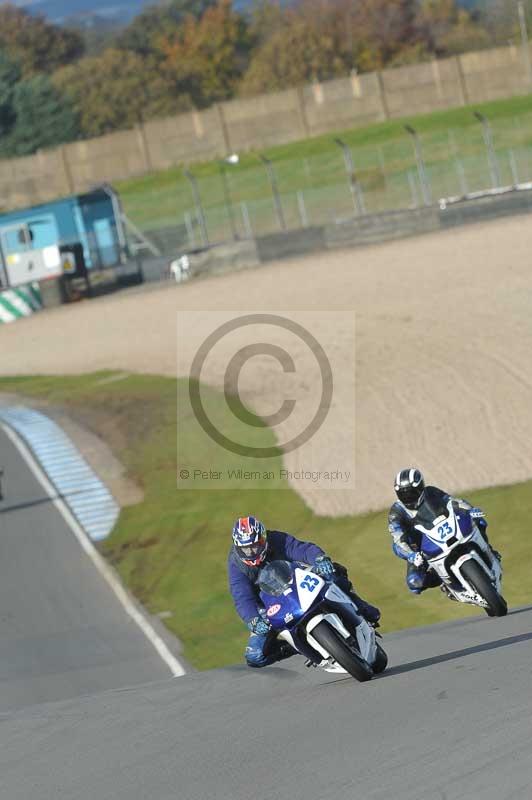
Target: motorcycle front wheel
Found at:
475, 575
381, 661
336, 646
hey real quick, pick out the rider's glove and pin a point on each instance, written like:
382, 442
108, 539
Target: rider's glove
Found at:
324, 567
416, 559
477, 513
259, 626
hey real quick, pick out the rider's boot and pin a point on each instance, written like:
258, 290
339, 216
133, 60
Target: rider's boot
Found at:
370, 613
447, 593
283, 650
494, 553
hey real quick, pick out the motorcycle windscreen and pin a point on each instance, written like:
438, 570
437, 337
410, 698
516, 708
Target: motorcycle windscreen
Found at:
275, 578
431, 509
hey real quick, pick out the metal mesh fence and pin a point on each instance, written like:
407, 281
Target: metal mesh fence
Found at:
256, 196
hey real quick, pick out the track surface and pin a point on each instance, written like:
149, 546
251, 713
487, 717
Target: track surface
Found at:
451, 720
62, 631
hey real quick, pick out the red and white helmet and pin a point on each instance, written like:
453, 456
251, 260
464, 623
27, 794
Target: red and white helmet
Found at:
250, 541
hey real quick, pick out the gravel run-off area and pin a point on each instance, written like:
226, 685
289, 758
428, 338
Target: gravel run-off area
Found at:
442, 376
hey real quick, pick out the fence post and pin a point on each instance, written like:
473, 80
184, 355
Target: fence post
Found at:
513, 167
66, 169
199, 208
524, 41
246, 218
143, 146
303, 111
354, 186
228, 200
275, 191
413, 190
437, 77
421, 167
462, 85
382, 96
462, 177
492, 156
224, 128
302, 209
190, 230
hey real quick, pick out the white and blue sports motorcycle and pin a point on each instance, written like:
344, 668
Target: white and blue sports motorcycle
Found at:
456, 551
319, 621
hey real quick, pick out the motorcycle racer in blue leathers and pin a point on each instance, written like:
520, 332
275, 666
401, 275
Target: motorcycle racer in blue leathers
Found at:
253, 547
411, 493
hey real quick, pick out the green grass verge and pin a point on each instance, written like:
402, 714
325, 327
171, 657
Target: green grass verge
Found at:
384, 161
171, 549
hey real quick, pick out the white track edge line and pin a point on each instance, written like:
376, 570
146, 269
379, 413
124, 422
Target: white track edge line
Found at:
175, 666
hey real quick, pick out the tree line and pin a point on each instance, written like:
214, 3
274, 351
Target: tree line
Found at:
59, 84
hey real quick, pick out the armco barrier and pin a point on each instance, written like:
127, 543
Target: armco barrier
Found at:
507, 203
361, 231
20, 302
291, 243
376, 228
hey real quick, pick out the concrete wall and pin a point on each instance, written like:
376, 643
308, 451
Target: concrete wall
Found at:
264, 121
196, 136
489, 73
33, 179
344, 103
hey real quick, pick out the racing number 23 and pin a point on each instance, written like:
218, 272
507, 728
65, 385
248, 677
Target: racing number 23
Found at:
310, 583
444, 530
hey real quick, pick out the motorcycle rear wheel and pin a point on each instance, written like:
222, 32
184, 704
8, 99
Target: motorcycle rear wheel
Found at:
337, 647
478, 579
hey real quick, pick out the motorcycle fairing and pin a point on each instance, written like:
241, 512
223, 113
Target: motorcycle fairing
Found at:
451, 539
309, 595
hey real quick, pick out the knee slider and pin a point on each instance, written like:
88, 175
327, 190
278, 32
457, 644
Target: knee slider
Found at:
415, 582
256, 665
255, 658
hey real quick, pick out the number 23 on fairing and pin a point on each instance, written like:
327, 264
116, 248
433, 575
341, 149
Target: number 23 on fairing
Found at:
444, 531
309, 583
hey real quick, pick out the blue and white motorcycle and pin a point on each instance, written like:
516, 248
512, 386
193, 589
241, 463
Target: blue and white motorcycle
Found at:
319, 621
456, 551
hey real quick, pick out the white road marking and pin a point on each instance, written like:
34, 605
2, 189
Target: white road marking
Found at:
175, 667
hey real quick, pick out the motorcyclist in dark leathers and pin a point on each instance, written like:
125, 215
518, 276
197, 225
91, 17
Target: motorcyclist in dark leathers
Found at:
253, 547
411, 493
